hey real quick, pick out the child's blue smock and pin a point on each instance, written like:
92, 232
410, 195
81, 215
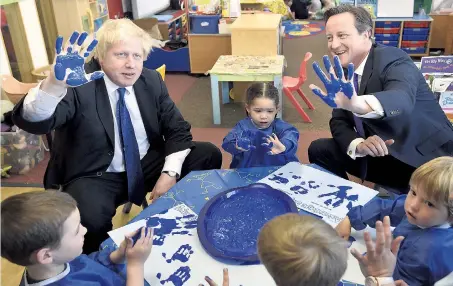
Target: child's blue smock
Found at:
259, 157
425, 255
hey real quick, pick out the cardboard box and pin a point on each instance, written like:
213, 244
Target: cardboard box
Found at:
150, 26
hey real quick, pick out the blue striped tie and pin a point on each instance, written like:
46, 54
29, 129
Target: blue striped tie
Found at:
135, 182
358, 122
361, 131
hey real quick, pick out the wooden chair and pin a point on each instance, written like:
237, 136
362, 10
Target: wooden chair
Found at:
291, 84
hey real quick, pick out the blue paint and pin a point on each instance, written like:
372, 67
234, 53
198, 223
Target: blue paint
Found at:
72, 63
164, 227
335, 84
296, 189
313, 185
230, 222
245, 139
178, 278
278, 179
341, 195
296, 177
182, 254
138, 234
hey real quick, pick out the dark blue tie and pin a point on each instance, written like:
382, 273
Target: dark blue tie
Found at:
358, 122
135, 183
359, 127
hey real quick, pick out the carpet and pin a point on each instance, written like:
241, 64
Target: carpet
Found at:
302, 28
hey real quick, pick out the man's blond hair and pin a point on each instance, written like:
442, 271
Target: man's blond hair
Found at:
120, 30
302, 251
435, 179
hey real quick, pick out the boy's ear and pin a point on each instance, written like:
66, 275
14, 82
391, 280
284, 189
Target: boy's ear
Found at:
43, 256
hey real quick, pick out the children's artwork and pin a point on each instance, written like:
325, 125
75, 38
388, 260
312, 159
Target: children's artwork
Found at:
177, 257
318, 192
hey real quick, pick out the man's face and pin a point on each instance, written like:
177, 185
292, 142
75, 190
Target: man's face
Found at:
345, 41
123, 62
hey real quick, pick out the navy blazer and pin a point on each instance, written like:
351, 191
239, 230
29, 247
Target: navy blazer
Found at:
412, 115
84, 140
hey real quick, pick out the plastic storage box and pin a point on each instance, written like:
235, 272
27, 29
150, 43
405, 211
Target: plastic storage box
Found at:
387, 24
204, 24
388, 43
387, 37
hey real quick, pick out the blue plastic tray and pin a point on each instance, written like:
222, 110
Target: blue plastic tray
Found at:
387, 37
229, 224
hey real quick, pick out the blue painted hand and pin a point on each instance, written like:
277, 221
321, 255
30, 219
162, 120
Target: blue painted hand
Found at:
244, 141
69, 64
273, 143
339, 91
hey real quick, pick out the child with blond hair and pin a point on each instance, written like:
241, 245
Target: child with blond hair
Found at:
41, 230
423, 217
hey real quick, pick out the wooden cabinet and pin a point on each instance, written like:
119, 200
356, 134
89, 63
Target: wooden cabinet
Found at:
256, 34
205, 49
442, 32
80, 15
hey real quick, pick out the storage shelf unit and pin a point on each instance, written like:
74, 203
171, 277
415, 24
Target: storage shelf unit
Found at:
412, 35
176, 28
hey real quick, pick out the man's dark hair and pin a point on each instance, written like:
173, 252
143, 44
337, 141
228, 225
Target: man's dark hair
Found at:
363, 21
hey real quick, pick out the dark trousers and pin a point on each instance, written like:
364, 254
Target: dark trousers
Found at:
99, 197
387, 170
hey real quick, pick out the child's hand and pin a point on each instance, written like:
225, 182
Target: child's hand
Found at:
225, 282
138, 253
244, 142
119, 254
344, 228
275, 146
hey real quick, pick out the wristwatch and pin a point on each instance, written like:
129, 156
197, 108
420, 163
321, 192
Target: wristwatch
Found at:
379, 281
171, 174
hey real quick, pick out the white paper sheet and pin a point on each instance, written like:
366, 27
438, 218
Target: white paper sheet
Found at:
182, 260
318, 192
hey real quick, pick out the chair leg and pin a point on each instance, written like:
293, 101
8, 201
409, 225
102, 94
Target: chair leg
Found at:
127, 208
297, 105
307, 101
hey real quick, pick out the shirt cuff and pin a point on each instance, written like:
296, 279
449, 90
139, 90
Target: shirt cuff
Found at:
353, 147
373, 102
39, 105
174, 161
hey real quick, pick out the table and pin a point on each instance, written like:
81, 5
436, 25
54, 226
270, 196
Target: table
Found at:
244, 68
203, 185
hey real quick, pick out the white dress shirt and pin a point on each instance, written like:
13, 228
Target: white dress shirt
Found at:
373, 102
39, 106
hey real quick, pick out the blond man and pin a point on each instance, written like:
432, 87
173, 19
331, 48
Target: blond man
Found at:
118, 135
42, 231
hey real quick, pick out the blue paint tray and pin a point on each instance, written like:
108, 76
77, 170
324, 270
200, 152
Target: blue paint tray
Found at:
229, 224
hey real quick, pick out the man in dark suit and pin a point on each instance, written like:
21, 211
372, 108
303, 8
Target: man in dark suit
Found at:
118, 135
392, 124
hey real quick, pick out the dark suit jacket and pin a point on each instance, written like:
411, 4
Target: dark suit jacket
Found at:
412, 116
83, 122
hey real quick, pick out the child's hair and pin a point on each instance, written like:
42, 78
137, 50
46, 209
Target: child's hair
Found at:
262, 89
32, 221
120, 30
435, 178
302, 251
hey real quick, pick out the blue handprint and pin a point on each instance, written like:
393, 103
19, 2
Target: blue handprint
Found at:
337, 83
178, 278
244, 140
70, 64
182, 254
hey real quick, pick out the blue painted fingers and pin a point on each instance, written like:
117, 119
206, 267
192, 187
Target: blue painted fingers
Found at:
336, 81
69, 64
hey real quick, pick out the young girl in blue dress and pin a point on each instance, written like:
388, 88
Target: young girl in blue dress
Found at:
261, 139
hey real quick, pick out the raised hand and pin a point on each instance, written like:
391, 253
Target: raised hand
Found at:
69, 64
244, 141
337, 86
274, 145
